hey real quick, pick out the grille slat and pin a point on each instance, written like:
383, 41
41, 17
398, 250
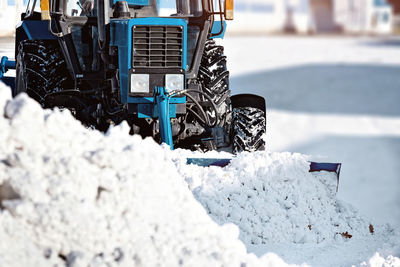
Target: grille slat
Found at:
157, 46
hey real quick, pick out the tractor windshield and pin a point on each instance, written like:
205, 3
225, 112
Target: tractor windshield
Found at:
143, 8
179, 8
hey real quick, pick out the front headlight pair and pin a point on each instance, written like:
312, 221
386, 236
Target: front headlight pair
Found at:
140, 83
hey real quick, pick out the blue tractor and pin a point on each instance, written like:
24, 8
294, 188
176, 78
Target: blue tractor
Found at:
152, 63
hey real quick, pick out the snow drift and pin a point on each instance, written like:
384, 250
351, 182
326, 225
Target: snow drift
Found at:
273, 198
72, 196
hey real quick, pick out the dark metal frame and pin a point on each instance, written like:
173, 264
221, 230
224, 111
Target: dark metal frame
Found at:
60, 24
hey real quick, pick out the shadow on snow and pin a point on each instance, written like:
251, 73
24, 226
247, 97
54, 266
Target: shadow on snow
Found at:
340, 89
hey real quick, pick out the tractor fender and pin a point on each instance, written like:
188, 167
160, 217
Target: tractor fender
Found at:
32, 30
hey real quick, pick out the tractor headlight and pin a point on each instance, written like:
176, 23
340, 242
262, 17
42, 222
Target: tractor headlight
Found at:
140, 83
174, 82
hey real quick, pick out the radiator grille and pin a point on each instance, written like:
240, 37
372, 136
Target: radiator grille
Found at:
157, 46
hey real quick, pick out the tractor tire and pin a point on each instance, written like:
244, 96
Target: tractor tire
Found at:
214, 79
40, 70
249, 126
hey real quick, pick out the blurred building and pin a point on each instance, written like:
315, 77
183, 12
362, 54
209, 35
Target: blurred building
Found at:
315, 16
373, 16
396, 6
396, 18
10, 15
301, 16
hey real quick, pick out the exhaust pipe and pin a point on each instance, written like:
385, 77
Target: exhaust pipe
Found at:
103, 18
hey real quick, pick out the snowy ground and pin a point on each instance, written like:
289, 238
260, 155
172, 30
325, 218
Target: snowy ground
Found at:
332, 98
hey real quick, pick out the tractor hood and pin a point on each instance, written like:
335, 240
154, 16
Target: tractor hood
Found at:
148, 46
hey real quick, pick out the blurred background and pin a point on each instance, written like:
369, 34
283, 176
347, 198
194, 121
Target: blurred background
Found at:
316, 16
277, 16
330, 72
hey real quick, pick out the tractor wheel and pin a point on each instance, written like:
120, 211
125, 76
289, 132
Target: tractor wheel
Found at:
249, 126
40, 69
214, 79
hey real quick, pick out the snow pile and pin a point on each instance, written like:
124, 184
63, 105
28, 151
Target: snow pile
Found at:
274, 199
71, 196
377, 260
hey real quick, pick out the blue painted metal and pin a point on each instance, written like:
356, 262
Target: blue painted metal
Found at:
151, 111
121, 36
145, 111
148, 109
162, 100
27, 31
207, 162
324, 166
150, 100
216, 28
135, 2
10, 64
37, 29
5, 65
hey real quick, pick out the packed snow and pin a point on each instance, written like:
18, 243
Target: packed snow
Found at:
72, 196
274, 199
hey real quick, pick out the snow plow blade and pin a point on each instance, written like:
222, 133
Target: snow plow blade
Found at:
314, 166
329, 167
207, 162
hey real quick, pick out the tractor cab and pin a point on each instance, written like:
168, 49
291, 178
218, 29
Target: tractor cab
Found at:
140, 8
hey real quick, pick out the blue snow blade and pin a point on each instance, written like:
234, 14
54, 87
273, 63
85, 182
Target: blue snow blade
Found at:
207, 162
314, 166
324, 166
329, 167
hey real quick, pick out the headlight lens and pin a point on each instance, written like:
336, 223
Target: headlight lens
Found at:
140, 83
174, 82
